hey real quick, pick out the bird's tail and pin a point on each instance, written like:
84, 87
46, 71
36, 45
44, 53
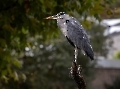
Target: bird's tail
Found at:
88, 51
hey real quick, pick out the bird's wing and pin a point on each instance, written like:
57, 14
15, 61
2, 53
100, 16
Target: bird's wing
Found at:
70, 41
77, 35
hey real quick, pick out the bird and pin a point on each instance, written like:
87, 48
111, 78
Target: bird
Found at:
74, 33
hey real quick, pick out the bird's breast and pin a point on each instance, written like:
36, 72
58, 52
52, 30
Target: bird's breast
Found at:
64, 31
63, 28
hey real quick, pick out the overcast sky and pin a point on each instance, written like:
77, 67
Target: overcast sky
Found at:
112, 23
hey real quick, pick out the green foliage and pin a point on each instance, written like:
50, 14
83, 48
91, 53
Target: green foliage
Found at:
49, 67
115, 85
117, 55
98, 40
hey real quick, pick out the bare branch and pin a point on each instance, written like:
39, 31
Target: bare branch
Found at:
75, 72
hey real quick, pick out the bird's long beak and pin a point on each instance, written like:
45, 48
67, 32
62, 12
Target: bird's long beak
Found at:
52, 17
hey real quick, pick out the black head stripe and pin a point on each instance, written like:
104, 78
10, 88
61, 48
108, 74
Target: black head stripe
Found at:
61, 13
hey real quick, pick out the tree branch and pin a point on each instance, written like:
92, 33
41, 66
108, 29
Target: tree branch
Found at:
75, 72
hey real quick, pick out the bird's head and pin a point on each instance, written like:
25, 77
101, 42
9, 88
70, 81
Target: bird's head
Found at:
59, 16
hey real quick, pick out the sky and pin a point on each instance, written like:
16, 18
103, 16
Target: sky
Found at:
111, 25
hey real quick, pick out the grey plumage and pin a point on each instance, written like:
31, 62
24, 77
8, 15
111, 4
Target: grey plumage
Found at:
74, 32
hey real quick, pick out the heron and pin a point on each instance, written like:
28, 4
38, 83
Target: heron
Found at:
74, 33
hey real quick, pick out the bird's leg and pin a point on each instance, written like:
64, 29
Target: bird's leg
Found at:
76, 54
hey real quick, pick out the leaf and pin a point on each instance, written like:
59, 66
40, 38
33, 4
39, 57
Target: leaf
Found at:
5, 79
17, 63
15, 76
20, 2
24, 77
24, 31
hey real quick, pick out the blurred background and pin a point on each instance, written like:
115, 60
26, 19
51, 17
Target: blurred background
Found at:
35, 55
